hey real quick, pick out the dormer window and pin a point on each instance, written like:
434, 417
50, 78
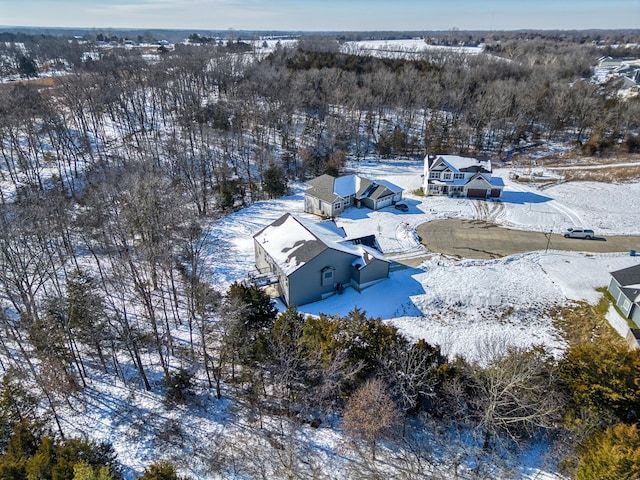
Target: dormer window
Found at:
446, 176
458, 176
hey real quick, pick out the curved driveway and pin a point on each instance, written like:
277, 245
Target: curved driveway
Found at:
482, 240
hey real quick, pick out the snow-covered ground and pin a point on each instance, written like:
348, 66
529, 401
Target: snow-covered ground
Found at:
468, 307
460, 305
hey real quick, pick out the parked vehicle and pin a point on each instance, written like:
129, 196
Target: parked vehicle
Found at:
402, 207
578, 233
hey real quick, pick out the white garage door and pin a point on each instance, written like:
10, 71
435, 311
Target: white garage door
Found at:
385, 202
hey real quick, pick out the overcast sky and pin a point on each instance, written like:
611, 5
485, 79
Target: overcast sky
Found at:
324, 15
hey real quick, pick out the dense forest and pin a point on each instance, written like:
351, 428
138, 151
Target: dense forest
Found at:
112, 171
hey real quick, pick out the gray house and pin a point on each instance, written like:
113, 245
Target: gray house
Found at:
625, 288
312, 261
328, 195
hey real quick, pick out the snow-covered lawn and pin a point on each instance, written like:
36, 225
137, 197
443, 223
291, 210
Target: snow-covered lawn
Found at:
460, 305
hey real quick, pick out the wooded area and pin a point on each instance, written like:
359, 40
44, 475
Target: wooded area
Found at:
111, 173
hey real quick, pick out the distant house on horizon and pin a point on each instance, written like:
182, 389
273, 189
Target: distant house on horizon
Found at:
457, 176
328, 196
312, 261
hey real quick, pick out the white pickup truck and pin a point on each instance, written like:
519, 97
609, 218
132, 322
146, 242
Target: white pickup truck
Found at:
578, 233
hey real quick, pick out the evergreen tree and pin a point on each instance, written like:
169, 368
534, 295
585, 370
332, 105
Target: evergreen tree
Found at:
83, 471
274, 182
16, 406
161, 471
611, 455
260, 313
603, 380
27, 67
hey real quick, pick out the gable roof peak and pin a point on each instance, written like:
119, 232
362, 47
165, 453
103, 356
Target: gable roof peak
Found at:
460, 164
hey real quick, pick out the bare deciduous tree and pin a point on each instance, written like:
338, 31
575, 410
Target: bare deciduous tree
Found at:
517, 394
371, 414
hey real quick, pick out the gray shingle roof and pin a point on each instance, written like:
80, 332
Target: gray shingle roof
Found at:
324, 188
291, 242
461, 164
627, 276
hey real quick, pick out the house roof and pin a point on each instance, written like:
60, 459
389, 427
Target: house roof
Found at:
460, 164
632, 293
323, 181
497, 182
476, 177
322, 187
627, 276
347, 185
629, 281
331, 189
378, 191
391, 186
292, 242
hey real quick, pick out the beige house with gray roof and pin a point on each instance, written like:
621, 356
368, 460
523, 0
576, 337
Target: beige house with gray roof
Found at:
328, 196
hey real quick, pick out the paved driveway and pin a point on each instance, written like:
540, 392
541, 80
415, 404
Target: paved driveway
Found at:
482, 240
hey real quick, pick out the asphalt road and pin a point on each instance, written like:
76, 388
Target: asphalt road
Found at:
482, 240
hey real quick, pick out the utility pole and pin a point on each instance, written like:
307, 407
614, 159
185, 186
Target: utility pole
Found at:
548, 235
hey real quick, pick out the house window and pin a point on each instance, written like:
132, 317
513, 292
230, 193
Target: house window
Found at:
327, 276
447, 176
458, 176
337, 205
434, 175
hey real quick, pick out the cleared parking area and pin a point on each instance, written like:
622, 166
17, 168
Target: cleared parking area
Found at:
482, 240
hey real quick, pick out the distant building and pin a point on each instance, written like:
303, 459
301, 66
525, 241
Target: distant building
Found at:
312, 261
460, 177
328, 195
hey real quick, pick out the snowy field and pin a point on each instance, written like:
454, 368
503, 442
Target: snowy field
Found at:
405, 48
461, 305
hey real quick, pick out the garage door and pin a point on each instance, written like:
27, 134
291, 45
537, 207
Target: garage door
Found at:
495, 192
476, 192
384, 202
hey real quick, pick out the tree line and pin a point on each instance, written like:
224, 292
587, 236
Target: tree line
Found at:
215, 119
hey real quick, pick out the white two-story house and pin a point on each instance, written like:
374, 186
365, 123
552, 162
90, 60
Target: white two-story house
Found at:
460, 177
